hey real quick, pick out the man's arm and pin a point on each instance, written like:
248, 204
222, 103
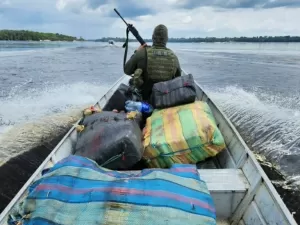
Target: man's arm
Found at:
131, 65
134, 62
137, 78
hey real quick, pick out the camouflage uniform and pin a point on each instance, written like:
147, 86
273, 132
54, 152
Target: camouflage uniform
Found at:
153, 64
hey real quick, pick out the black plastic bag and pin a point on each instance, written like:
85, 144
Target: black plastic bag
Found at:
120, 96
178, 91
111, 139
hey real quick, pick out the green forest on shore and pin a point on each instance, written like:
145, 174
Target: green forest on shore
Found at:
25, 35
214, 39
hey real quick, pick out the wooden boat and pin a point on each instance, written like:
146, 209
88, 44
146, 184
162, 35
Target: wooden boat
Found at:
242, 192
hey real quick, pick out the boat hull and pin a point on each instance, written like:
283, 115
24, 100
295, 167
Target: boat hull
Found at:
242, 192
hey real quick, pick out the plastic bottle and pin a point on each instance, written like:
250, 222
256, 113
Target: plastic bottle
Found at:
138, 106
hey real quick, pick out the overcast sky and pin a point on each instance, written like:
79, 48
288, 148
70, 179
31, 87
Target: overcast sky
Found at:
184, 18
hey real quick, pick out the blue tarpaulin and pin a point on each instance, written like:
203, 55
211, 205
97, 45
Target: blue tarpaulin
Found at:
77, 191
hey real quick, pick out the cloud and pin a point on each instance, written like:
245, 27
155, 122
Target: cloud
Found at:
94, 4
205, 21
282, 3
184, 18
5, 2
230, 4
190, 4
128, 8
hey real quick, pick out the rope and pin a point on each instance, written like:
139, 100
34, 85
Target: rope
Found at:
125, 45
112, 159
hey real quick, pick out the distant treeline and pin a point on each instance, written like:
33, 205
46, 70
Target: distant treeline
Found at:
25, 35
214, 39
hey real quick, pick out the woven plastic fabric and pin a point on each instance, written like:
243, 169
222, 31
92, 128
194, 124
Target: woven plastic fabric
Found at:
178, 91
183, 134
113, 140
77, 191
119, 97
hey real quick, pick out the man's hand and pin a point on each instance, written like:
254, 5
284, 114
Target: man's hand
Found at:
133, 90
142, 46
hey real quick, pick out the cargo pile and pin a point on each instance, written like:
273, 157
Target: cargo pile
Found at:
182, 134
169, 135
178, 129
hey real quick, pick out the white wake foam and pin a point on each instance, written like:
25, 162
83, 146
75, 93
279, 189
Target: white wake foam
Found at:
23, 107
39, 116
270, 125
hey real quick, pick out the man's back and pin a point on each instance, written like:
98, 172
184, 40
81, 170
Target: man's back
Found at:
162, 64
153, 64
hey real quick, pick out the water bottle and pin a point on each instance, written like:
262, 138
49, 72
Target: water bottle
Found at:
138, 106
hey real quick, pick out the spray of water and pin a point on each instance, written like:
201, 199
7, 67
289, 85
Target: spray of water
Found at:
22, 138
270, 125
39, 116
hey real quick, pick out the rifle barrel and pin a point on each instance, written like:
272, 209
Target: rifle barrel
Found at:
121, 16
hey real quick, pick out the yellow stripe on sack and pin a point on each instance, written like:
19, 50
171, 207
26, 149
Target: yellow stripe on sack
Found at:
211, 148
182, 159
147, 137
147, 133
173, 129
149, 152
203, 126
199, 119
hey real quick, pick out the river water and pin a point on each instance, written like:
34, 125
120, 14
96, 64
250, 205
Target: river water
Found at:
43, 87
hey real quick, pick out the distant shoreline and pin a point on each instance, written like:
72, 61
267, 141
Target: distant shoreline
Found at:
258, 39
25, 35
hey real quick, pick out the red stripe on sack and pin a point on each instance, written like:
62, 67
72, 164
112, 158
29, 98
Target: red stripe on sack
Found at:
122, 191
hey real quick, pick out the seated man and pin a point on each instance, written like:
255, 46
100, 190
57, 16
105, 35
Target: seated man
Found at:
153, 64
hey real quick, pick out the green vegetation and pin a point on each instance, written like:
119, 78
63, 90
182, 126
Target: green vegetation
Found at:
24, 35
214, 39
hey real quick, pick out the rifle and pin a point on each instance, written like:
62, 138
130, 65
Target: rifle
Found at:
135, 33
132, 29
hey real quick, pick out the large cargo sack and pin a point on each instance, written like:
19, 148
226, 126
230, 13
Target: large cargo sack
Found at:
182, 134
76, 191
119, 97
113, 140
178, 91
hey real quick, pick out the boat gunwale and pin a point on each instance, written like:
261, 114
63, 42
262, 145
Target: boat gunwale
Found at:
263, 176
18, 196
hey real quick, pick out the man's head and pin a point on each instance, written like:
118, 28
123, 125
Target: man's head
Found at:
160, 36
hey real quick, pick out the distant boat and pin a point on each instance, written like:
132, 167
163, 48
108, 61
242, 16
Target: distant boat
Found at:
111, 42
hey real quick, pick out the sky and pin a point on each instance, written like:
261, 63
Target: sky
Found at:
184, 18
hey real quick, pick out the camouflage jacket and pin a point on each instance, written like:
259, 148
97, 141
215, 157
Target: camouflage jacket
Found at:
150, 65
